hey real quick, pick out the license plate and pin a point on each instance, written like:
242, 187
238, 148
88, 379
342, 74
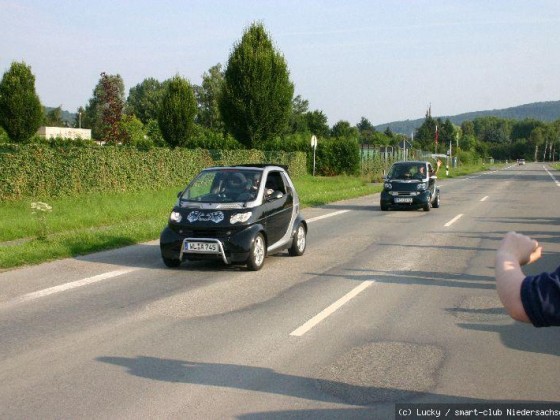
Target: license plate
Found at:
209, 247
403, 199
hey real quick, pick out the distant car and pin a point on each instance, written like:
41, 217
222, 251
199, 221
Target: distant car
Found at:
237, 215
410, 184
521, 161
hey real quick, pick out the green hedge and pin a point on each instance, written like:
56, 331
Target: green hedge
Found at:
41, 171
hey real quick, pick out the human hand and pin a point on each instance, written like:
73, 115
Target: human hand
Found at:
520, 247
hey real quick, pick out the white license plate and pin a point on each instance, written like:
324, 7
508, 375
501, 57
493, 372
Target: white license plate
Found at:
403, 199
210, 247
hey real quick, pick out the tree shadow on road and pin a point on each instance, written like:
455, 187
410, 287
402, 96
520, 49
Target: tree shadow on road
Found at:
269, 381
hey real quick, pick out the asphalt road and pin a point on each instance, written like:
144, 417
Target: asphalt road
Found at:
384, 307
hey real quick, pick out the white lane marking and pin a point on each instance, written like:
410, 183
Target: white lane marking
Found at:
324, 216
453, 220
552, 176
72, 285
484, 198
331, 309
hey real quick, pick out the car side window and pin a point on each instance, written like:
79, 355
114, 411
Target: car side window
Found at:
274, 182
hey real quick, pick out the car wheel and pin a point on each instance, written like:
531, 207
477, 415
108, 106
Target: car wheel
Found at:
435, 204
257, 254
171, 262
299, 242
384, 207
426, 207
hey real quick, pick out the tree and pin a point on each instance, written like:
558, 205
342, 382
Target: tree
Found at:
207, 98
105, 108
112, 100
343, 129
53, 117
425, 135
144, 99
256, 100
21, 112
317, 123
177, 112
366, 129
298, 121
132, 130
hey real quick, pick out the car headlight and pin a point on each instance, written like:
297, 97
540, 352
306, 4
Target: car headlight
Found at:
387, 186
421, 186
240, 217
175, 216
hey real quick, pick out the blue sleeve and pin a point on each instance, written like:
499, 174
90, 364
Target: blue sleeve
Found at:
540, 296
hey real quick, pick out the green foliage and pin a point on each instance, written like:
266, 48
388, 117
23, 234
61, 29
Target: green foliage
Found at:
43, 171
132, 131
154, 133
205, 138
21, 112
144, 99
53, 117
344, 129
177, 112
317, 123
207, 97
256, 100
338, 156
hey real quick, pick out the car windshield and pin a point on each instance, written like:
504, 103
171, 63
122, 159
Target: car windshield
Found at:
223, 185
407, 171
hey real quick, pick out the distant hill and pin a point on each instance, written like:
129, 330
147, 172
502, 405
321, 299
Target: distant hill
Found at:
543, 111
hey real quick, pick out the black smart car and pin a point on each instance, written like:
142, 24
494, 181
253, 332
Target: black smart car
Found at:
410, 184
235, 214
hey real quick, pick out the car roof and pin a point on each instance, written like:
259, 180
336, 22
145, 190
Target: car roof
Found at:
257, 166
411, 162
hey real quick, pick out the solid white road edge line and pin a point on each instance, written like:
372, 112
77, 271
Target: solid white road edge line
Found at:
331, 309
335, 213
484, 198
72, 285
453, 220
552, 176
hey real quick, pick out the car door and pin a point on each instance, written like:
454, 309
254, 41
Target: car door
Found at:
277, 210
431, 180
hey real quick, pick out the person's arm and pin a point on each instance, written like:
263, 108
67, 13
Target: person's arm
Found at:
514, 251
438, 164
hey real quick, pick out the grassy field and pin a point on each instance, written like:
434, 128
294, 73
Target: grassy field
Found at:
89, 223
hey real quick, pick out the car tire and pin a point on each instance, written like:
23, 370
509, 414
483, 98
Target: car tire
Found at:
435, 204
426, 207
171, 262
299, 242
384, 207
257, 253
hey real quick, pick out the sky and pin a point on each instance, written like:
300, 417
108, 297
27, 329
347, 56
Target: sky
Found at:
385, 60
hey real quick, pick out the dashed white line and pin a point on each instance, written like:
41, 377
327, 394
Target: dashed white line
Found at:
484, 198
331, 309
453, 220
72, 285
324, 216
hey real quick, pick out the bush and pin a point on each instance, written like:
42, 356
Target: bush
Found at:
39, 170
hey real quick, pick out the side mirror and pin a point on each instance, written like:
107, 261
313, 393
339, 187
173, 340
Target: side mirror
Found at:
274, 195
179, 194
